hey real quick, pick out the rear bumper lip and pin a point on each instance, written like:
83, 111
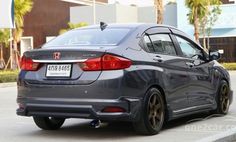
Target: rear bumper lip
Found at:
83, 110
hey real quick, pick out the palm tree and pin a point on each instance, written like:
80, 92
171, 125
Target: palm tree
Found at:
197, 11
4, 40
22, 7
160, 10
207, 22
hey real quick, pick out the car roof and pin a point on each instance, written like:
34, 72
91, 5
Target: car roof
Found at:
143, 26
129, 25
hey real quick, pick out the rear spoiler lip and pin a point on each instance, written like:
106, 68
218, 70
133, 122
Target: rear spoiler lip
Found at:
60, 61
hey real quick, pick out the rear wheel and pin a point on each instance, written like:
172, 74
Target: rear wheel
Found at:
152, 115
49, 123
222, 99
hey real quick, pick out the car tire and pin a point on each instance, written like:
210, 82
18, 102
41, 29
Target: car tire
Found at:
222, 98
152, 114
49, 123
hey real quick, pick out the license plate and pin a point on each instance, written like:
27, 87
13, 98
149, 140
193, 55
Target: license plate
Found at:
62, 70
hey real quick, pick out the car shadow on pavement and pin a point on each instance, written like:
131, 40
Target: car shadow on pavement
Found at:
186, 120
116, 130
83, 130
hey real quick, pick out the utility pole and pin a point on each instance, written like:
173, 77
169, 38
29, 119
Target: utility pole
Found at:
94, 12
11, 61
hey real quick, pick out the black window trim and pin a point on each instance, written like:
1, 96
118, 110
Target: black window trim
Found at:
148, 51
157, 30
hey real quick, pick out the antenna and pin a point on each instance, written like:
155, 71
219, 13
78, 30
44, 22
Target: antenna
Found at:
103, 26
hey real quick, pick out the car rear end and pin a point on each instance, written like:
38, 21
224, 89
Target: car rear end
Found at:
75, 81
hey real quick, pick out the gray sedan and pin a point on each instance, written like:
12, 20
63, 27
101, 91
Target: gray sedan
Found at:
142, 73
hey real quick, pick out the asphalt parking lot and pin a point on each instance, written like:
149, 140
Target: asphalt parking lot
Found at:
15, 128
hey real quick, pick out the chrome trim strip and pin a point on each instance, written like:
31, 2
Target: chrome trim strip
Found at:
191, 108
59, 61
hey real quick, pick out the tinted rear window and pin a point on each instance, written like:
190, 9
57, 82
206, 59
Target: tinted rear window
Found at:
109, 36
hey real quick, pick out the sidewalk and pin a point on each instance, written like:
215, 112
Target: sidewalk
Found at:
232, 72
10, 84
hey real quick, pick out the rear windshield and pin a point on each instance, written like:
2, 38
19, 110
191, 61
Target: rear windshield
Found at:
109, 36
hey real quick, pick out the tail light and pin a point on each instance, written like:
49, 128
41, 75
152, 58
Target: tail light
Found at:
106, 62
28, 64
110, 62
91, 64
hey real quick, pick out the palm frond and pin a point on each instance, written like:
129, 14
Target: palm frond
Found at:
22, 7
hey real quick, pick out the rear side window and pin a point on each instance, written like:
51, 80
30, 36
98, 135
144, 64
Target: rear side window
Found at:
161, 44
148, 43
109, 36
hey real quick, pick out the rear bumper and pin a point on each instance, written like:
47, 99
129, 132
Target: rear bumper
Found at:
81, 101
83, 108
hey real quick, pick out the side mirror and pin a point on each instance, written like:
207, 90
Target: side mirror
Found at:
214, 55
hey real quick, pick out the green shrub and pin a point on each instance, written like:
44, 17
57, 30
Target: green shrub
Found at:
229, 66
8, 76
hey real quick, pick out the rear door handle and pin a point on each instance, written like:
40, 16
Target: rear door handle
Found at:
158, 58
190, 64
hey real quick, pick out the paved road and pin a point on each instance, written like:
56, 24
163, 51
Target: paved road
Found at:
15, 128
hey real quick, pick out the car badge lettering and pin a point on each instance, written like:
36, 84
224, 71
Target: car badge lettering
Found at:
56, 55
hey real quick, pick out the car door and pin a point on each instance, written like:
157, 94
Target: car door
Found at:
200, 88
164, 55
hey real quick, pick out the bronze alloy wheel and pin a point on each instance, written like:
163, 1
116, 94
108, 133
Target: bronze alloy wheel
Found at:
155, 111
152, 115
224, 98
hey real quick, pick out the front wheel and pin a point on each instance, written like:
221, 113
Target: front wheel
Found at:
152, 113
49, 123
222, 98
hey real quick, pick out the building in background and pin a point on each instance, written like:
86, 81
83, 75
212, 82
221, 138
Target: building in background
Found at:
228, 1
118, 13
49, 16
223, 36
46, 19
113, 13
6, 14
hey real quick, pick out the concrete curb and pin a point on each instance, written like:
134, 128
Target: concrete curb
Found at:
227, 136
232, 72
10, 84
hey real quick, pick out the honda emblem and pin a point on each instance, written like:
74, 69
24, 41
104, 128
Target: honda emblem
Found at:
56, 55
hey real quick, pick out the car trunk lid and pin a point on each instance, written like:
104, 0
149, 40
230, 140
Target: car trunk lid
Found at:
50, 60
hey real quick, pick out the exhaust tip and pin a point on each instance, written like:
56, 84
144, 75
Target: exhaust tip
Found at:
95, 123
